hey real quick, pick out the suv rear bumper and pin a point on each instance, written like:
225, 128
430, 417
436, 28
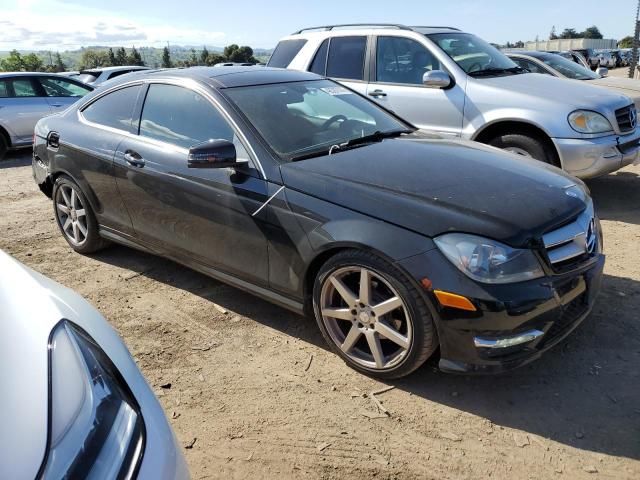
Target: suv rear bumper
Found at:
598, 156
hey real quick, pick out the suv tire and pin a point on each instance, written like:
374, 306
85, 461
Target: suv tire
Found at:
524, 145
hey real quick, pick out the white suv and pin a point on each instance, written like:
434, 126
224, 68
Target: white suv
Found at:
456, 84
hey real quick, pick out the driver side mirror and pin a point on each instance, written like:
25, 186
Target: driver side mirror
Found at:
602, 71
213, 154
436, 79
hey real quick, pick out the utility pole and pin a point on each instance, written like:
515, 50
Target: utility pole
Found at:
636, 44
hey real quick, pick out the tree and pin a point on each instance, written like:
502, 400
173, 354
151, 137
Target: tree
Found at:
234, 53
215, 58
59, 65
93, 59
32, 63
569, 33
204, 54
134, 58
592, 32
626, 42
121, 56
13, 63
112, 58
193, 58
166, 58
553, 35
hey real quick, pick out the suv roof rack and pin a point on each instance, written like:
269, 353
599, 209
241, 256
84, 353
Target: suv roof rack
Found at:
434, 26
326, 28
399, 26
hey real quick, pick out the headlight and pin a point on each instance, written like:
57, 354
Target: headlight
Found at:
586, 121
95, 425
488, 261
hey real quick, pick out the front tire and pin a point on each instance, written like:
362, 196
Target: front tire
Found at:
4, 147
372, 316
526, 146
75, 218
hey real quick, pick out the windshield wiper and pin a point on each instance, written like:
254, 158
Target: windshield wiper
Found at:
376, 136
497, 71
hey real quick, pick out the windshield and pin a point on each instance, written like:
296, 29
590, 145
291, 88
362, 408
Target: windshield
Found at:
302, 118
474, 55
568, 68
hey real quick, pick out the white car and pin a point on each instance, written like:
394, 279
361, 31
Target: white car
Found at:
96, 76
75, 404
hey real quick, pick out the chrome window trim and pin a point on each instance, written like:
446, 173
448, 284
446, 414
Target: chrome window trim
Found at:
188, 84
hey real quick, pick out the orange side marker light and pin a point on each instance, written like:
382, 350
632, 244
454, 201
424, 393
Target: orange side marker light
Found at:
452, 300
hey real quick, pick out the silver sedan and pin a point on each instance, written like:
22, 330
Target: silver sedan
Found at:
27, 97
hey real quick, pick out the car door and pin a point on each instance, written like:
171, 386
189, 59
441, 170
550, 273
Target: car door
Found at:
199, 214
21, 108
62, 92
400, 64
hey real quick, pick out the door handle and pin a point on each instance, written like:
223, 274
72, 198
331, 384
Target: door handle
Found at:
377, 93
133, 159
56, 105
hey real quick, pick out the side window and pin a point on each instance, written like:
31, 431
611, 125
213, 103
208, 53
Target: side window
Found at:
23, 88
57, 87
531, 66
285, 52
182, 117
118, 73
346, 57
319, 63
4, 89
402, 60
115, 109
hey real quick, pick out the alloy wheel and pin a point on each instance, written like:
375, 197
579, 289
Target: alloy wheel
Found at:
71, 214
366, 317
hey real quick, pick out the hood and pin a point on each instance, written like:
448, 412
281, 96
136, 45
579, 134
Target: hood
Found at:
28, 315
436, 186
559, 91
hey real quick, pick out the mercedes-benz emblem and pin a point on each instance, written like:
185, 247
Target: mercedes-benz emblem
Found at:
633, 117
591, 236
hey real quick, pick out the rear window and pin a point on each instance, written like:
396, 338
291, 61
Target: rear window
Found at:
4, 90
285, 52
319, 63
114, 109
346, 57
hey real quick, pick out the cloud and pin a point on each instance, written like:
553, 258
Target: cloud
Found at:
59, 31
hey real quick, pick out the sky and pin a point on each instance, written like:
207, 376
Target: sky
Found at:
67, 25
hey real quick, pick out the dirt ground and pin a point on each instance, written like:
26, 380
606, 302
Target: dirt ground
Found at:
255, 394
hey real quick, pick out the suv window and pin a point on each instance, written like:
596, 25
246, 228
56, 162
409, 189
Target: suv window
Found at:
4, 88
181, 117
402, 60
23, 88
285, 51
58, 87
114, 109
319, 63
346, 57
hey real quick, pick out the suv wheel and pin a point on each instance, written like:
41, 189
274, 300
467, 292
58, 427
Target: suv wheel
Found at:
372, 315
75, 217
524, 145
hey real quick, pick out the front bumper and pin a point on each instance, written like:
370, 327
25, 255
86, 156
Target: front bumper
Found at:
598, 156
554, 305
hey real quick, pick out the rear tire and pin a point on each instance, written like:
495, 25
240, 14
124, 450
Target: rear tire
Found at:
526, 146
75, 218
385, 330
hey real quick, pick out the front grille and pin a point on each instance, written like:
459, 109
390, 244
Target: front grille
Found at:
627, 118
573, 241
571, 313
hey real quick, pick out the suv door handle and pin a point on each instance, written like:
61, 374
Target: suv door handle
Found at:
133, 159
56, 105
377, 93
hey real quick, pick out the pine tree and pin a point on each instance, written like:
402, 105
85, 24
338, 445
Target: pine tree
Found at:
121, 56
112, 58
204, 54
59, 65
166, 58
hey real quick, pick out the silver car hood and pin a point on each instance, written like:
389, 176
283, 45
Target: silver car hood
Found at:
558, 90
28, 312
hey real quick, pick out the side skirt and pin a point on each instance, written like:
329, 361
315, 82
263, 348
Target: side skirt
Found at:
266, 294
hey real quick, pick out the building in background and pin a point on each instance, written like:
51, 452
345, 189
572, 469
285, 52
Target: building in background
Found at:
562, 44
